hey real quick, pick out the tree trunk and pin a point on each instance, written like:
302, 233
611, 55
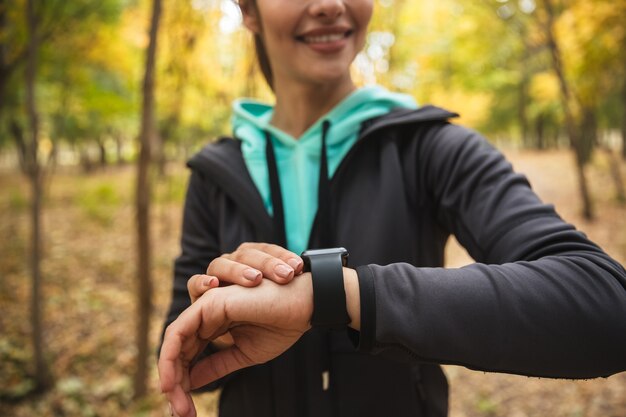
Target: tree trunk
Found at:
35, 174
146, 138
17, 132
119, 145
161, 160
576, 140
102, 150
614, 168
583, 187
85, 160
539, 131
616, 173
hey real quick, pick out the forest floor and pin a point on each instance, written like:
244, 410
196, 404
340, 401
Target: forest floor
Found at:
89, 285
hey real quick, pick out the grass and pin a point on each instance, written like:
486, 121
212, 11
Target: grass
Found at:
100, 203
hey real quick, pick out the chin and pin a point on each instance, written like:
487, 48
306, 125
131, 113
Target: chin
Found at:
329, 74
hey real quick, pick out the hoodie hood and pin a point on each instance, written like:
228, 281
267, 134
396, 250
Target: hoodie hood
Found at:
298, 159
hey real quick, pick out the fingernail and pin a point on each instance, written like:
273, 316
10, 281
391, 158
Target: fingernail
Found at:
207, 282
251, 274
283, 270
171, 411
294, 263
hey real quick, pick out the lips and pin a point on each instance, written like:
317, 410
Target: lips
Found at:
324, 35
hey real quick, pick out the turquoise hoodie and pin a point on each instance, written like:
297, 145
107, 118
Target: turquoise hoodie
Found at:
298, 159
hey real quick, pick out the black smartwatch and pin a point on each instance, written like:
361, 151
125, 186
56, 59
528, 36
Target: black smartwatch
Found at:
329, 295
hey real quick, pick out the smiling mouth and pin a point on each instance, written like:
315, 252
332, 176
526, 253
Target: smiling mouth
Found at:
325, 38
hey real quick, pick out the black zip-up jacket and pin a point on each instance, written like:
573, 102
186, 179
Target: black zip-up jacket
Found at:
540, 300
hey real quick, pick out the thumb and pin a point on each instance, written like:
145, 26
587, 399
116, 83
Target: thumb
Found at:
218, 365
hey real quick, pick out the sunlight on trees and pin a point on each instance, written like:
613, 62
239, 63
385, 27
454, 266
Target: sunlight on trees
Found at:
486, 60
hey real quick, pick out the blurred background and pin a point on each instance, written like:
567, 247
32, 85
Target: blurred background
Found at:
102, 102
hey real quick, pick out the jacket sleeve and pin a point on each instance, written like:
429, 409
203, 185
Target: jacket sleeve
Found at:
541, 299
199, 246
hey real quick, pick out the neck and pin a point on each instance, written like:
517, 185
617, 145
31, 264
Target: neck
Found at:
299, 106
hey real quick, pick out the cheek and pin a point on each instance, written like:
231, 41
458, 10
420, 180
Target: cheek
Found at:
362, 12
277, 19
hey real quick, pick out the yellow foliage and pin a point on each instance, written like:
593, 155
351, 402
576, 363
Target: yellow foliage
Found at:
473, 107
134, 26
544, 88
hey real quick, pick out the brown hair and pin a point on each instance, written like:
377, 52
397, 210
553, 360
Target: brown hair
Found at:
259, 47
263, 60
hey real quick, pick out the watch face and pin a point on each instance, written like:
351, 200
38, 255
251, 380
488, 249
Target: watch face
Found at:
313, 253
331, 251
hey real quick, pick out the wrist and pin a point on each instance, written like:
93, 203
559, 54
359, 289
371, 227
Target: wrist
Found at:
353, 297
329, 297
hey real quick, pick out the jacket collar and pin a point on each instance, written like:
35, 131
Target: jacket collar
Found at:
407, 116
223, 163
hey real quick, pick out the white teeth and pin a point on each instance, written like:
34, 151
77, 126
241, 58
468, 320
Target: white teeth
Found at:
324, 38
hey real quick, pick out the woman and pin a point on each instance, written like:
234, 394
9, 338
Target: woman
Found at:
331, 165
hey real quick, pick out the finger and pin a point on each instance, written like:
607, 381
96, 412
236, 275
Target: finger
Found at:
192, 406
175, 357
218, 365
288, 257
234, 272
199, 284
270, 266
170, 360
181, 403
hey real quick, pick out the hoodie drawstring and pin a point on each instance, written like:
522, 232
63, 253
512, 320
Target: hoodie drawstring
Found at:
324, 225
323, 194
280, 235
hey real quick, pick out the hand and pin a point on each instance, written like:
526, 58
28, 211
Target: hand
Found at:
264, 321
198, 285
277, 264
247, 265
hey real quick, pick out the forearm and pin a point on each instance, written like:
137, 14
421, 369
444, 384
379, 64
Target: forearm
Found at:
555, 317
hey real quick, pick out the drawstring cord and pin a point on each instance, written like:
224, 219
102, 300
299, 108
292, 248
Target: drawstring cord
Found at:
323, 194
280, 235
325, 238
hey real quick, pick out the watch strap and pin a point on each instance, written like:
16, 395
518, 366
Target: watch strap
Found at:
329, 295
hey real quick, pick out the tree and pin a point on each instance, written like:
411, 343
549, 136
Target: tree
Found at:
28, 49
12, 51
34, 172
578, 132
146, 139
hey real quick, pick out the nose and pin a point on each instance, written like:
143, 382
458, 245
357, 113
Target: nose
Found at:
329, 9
